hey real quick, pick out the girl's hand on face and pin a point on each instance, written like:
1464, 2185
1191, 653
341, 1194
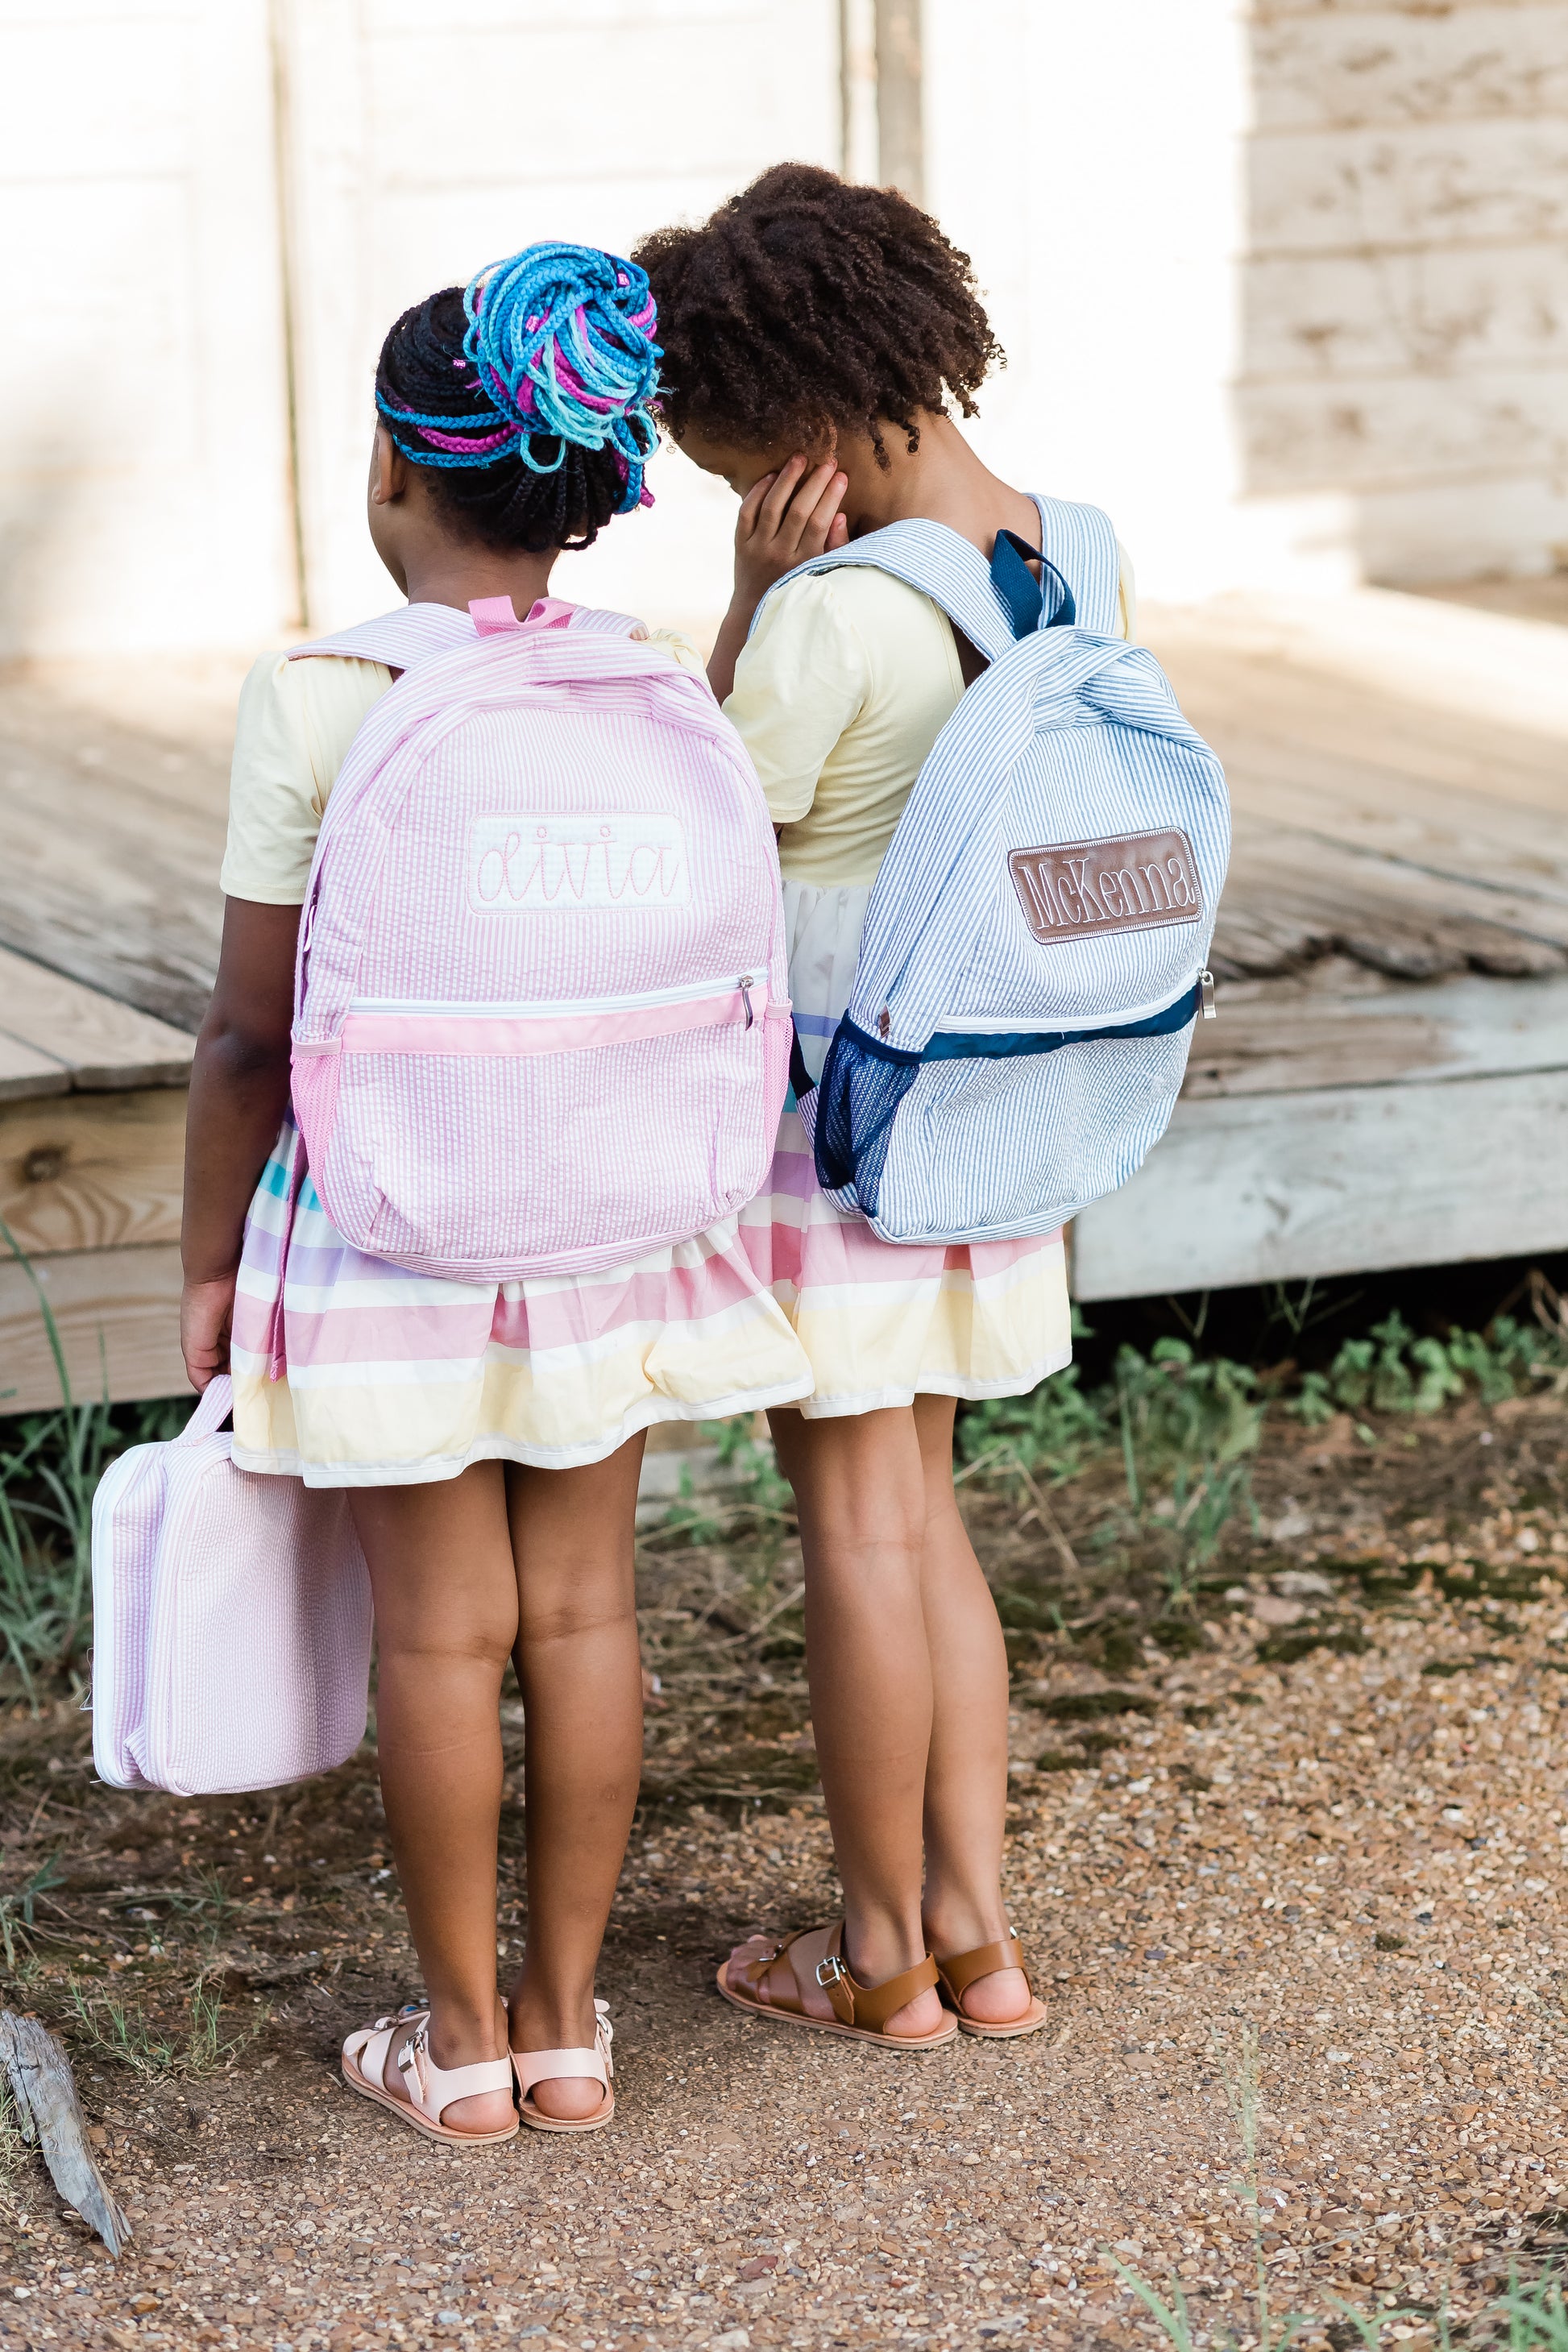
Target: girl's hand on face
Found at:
786, 518
207, 1312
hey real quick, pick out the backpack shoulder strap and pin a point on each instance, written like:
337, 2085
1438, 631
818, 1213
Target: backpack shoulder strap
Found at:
940, 563
1079, 540
417, 633
414, 634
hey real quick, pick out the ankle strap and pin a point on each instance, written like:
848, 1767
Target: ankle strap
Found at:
868, 2005
558, 2065
433, 2089
960, 1969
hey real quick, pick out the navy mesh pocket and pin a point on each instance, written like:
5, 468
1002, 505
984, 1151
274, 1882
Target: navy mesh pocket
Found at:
863, 1083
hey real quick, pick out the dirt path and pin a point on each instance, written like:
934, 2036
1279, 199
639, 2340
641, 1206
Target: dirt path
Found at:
1355, 1852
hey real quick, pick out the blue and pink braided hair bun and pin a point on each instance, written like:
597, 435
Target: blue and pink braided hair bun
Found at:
546, 360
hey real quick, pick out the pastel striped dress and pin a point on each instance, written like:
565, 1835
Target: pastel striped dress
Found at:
350, 1371
844, 687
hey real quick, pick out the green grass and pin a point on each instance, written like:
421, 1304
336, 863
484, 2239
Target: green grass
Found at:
124, 2034
50, 1464
1184, 1428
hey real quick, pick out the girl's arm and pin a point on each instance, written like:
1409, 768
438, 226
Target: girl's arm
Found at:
239, 1089
786, 518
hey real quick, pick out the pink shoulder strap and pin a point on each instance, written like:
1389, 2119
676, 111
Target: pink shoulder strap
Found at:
420, 632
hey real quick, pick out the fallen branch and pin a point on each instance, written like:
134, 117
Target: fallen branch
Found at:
50, 2116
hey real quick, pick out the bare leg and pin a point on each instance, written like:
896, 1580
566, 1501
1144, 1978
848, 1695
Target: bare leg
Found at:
578, 1664
860, 1494
966, 1776
446, 1612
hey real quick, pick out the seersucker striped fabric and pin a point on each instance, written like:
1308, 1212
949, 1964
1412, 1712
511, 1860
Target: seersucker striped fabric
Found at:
541, 1007
231, 1619
1011, 1051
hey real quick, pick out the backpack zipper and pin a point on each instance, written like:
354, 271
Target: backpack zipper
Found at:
427, 1025
558, 1007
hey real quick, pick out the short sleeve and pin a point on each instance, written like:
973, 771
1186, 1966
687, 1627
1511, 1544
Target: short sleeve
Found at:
802, 678
1127, 594
681, 649
296, 721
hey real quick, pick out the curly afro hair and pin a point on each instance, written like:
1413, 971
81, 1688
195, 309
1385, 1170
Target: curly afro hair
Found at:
808, 298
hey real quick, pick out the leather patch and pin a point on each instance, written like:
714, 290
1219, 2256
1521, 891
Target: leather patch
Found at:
1075, 889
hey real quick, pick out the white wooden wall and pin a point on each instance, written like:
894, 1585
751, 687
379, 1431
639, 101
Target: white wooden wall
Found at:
422, 145
144, 492
1089, 160
1404, 293
1285, 285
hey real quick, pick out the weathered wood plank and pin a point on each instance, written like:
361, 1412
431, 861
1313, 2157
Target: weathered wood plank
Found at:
1313, 318
110, 869
103, 1044
1377, 431
1307, 893
105, 891
117, 1314
1479, 700
1340, 1026
1281, 1187
1415, 185
25, 1071
1281, 11
92, 1171
1382, 67
44, 2090
1502, 521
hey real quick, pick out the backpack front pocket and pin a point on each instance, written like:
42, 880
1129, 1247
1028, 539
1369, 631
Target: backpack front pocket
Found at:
497, 1142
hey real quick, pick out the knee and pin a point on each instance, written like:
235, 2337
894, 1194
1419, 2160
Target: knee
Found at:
473, 1643
569, 1604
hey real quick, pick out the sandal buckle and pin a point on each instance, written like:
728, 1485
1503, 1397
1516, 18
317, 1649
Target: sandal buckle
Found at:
830, 1970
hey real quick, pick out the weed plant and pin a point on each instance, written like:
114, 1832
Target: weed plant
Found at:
1186, 1427
1533, 2317
121, 2031
50, 1464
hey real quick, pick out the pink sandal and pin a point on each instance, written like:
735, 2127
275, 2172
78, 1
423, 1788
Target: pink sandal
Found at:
432, 2089
556, 2066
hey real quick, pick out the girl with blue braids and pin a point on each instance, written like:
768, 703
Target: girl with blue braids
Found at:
490, 1435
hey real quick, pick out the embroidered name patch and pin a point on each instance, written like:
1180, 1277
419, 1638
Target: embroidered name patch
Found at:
1077, 887
566, 863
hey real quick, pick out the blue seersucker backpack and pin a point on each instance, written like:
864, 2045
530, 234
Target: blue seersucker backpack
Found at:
1034, 949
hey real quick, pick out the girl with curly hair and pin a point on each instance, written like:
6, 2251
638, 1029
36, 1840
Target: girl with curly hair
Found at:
818, 336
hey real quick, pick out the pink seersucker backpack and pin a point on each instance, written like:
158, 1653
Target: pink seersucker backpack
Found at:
541, 1018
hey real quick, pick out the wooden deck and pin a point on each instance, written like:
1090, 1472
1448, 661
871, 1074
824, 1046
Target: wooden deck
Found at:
1387, 1083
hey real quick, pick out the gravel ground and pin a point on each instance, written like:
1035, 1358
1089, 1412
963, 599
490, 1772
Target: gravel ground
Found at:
1351, 1854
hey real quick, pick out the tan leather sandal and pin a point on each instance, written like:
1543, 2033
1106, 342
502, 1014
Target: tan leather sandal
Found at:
769, 1987
960, 1969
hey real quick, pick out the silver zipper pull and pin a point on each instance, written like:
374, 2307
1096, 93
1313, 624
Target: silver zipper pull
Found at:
746, 982
1205, 990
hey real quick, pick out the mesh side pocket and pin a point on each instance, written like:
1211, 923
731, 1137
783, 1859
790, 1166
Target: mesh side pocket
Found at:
314, 1081
863, 1082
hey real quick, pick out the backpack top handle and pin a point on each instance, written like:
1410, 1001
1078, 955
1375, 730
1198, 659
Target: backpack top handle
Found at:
1021, 593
